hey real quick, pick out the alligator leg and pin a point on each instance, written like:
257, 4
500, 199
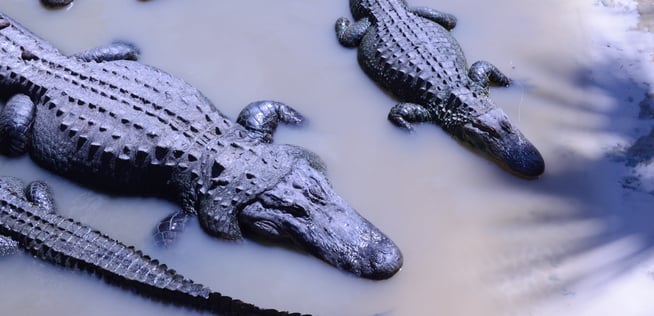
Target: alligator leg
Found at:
16, 120
446, 20
39, 193
56, 3
117, 50
350, 34
262, 117
486, 73
403, 114
170, 228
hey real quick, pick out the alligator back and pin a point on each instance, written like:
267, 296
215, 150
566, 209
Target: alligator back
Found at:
412, 57
108, 123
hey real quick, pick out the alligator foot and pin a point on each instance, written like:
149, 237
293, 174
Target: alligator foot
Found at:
56, 3
262, 118
118, 50
169, 228
403, 114
486, 73
16, 120
350, 34
39, 195
446, 20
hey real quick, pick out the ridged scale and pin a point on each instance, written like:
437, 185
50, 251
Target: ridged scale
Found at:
417, 59
100, 124
63, 241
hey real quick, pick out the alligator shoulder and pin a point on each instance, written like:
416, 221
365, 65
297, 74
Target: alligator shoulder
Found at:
411, 53
124, 126
28, 221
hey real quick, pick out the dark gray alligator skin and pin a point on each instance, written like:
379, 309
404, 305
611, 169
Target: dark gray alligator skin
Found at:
28, 221
411, 53
126, 127
56, 3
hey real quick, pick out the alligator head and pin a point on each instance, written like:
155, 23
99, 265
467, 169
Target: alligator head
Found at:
476, 121
304, 209
301, 208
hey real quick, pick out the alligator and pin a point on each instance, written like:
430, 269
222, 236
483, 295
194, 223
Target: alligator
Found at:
28, 221
125, 127
411, 53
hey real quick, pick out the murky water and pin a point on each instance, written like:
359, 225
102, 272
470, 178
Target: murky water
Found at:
476, 240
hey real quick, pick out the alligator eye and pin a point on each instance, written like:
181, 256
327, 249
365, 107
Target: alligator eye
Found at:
315, 191
506, 126
484, 128
296, 210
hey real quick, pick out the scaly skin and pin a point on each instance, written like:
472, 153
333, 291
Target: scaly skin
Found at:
411, 53
130, 128
56, 3
28, 221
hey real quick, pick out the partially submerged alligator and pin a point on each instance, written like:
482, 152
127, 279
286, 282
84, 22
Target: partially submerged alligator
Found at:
411, 53
28, 221
131, 128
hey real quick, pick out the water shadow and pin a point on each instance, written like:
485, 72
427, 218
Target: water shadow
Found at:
611, 222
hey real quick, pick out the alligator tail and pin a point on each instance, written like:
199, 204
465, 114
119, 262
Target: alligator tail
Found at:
69, 243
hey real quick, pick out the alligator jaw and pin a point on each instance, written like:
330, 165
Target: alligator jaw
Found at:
495, 137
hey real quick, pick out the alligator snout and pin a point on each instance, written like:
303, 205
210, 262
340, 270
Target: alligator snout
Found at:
493, 135
523, 159
384, 260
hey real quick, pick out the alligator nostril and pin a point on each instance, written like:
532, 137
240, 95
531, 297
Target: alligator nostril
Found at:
385, 262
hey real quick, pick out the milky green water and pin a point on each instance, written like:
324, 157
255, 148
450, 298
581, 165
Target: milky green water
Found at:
476, 240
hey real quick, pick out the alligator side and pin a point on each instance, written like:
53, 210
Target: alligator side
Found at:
28, 221
129, 128
411, 53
